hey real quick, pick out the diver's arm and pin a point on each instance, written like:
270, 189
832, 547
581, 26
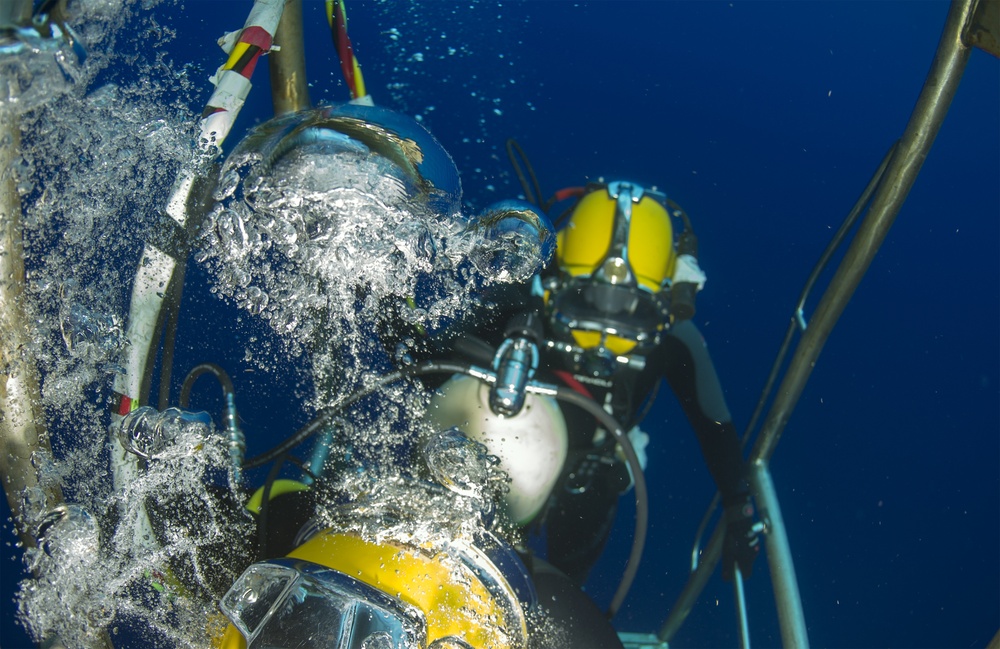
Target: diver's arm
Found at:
690, 372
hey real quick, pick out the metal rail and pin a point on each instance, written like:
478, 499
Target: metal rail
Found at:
932, 105
791, 618
22, 433
925, 122
287, 65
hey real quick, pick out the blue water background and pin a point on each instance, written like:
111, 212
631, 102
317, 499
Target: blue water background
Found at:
765, 121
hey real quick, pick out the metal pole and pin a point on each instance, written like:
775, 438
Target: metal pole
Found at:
741, 607
779, 560
694, 586
932, 106
18, 385
289, 89
22, 436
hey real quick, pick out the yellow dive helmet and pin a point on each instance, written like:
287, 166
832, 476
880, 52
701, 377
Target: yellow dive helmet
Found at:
616, 256
340, 591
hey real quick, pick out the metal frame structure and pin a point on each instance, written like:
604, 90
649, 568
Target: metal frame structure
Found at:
965, 26
970, 23
22, 427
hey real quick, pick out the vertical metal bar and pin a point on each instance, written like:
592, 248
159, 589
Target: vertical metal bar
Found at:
741, 607
694, 586
289, 89
779, 559
22, 435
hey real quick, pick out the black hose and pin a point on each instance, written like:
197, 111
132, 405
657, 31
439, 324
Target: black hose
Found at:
535, 196
173, 306
265, 508
563, 217
323, 418
679, 211
648, 404
641, 494
205, 368
263, 514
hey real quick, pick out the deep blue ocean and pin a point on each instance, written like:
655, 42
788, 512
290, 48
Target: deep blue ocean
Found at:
765, 120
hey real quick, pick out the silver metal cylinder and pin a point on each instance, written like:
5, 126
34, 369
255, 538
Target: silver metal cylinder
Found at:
22, 434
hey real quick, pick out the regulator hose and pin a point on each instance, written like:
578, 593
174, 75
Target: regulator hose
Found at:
562, 394
641, 493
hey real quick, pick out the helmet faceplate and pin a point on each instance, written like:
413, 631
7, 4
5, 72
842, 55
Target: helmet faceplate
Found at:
615, 255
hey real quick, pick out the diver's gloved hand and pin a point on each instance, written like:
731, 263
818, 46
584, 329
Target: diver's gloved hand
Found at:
742, 543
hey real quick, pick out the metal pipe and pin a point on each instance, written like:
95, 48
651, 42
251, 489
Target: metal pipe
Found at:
22, 436
289, 88
932, 106
984, 29
928, 114
779, 559
695, 585
740, 598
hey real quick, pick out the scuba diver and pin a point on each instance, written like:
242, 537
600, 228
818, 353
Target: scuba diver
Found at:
608, 319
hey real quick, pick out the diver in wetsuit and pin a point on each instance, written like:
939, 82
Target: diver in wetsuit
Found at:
614, 312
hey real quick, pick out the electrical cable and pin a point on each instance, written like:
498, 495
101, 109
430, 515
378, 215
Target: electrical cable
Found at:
336, 16
205, 368
534, 197
172, 306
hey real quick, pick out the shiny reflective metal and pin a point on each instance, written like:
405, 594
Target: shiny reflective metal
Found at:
514, 364
287, 603
900, 174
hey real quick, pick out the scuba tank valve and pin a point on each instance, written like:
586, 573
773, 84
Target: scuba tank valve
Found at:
514, 364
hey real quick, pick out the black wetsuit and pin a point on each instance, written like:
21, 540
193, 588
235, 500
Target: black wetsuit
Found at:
584, 502
582, 507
